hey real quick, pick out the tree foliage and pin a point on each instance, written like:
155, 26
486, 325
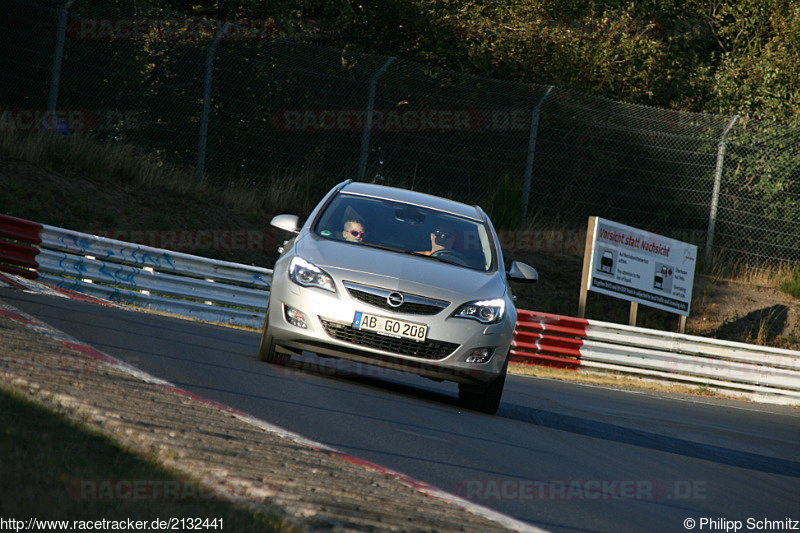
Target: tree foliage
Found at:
730, 57
758, 70
721, 56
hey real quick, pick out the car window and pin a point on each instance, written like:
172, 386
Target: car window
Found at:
406, 228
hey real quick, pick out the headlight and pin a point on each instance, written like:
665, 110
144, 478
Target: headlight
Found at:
304, 273
486, 311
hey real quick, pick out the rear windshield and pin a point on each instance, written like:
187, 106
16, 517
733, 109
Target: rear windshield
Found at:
401, 227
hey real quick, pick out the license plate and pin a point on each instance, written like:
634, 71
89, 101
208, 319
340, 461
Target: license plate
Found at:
390, 326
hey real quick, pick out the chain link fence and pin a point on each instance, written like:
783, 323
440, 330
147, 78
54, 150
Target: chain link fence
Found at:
251, 101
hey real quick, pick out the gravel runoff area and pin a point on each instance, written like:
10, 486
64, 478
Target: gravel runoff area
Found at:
237, 456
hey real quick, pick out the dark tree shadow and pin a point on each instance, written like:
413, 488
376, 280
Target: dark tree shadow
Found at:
762, 325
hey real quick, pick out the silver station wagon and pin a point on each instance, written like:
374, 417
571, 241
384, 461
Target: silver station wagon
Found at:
398, 279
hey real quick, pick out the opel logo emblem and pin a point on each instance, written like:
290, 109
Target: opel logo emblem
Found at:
395, 299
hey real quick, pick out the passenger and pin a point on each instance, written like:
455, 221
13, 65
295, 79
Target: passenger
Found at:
354, 230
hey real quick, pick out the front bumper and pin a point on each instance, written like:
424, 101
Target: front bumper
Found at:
328, 319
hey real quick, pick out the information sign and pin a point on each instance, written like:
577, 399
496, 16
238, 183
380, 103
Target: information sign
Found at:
641, 267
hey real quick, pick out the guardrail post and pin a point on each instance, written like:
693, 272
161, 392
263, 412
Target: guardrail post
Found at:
201, 147
373, 82
55, 76
526, 186
712, 216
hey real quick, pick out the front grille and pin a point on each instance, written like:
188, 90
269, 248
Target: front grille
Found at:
412, 304
425, 350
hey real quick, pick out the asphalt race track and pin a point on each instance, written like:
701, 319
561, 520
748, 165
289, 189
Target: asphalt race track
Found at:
561, 456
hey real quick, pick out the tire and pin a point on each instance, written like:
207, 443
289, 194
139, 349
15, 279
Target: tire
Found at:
483, 397
267, 351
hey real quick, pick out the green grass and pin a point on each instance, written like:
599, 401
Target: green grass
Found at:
118, 163
791, 283
81, 154
784, 276
615, 380
53, 468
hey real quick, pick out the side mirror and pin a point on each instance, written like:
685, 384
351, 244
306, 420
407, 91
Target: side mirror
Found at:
522, 272
288, 223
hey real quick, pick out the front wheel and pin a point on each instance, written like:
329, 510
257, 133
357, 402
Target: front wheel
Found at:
267, 349
484, 397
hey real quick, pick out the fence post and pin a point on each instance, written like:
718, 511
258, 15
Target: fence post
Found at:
526, 186
712, 216
58, 57
373, 81
201, 147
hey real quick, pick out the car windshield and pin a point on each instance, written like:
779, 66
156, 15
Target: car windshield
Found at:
407, 228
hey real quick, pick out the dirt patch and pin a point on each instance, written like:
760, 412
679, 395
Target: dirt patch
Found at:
748, 313
721, 308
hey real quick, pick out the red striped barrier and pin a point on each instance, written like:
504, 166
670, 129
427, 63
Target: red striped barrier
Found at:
18, 250
20, 229
548, 340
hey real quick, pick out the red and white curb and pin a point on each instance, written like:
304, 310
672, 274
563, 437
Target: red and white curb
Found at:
20, 283
70, 342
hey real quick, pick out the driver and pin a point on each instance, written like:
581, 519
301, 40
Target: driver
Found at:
442, 238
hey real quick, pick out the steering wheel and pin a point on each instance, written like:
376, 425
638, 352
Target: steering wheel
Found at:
450, 256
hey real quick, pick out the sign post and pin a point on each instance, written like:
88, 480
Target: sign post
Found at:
635, 265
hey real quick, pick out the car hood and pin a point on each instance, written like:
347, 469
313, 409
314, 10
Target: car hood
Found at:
398, 271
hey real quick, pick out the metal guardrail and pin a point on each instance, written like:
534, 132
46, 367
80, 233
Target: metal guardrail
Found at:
220, 291
152, 278
568, 342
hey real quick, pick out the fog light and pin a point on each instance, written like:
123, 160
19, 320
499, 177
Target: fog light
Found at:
480, 355
294, 317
